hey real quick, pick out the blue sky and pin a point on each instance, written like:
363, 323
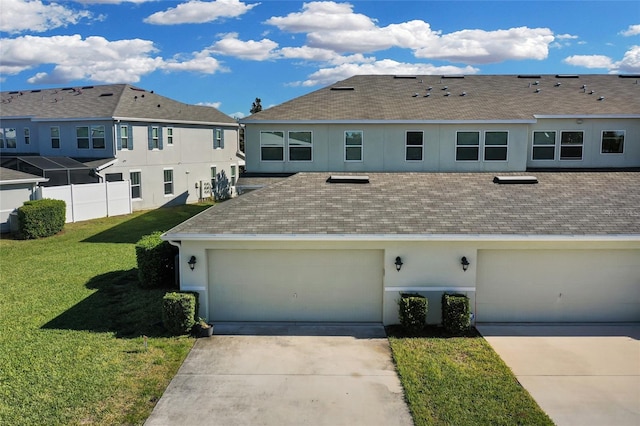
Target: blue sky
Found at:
225, 53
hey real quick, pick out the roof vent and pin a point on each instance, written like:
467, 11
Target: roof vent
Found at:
567, 76
453, 76
528, 76
348, 179
601, 98
463, 94
557, 84
87, 87
415, 95
412, 77
523, 180
342, 88
102, 95
36, 91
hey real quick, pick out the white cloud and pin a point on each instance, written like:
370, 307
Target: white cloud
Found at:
631, 31
322, 16
566, 37
215, 105
237, 115
198, 12
254, 50
630, 62
589, 61
19, 15
326, 76
201, 62
321, 55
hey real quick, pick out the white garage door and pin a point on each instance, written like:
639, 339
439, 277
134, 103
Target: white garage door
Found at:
558, 286
296, 285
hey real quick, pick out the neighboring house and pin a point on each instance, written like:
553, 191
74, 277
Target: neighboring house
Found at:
171, 152
316, 248
15, 188
476, 123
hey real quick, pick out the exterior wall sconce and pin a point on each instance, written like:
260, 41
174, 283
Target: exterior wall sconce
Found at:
398, 264
465, 263
192, 262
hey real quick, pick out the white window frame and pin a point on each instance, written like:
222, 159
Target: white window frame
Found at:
624, 136
165, 182
572, 145
218, 137
14, 144
104, 136
485, 146
52, 138
554, 146
124, 140
271, 145
233, 175
361, 146
213, 178
310, 147
169, 136
407, 146
139, 184
88, 137
478, 146
155, 139
27, 135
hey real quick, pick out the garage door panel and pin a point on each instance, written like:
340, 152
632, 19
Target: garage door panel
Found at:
558, 285
296, 285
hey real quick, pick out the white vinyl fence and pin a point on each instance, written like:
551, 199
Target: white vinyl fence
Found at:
91, 200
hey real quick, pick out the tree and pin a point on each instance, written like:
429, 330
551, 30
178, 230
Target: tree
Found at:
256, 106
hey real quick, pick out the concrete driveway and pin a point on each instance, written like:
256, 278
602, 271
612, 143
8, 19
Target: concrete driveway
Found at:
578, 374
286, 374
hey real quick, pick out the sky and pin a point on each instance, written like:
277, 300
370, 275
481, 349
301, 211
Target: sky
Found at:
226, 53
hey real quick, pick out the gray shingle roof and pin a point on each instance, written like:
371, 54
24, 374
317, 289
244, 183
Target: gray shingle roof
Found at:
562, 203
486, 97
104, 101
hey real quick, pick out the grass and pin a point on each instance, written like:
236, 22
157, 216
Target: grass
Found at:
460, 381
72, 321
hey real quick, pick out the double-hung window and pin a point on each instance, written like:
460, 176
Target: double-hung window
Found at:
27, 136
233, 176
612, 142
544, 146
124, 137
353, 145
272, 146
571, 143
136, 185
97, 137
214, 178
300, 146
218, 138
168, 181
414, 146
169, 135
10, 138
55, 137
82, 137
155, 137
467, 146
495, 145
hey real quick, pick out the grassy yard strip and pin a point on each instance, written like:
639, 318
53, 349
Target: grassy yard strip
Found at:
460, 381
72, 317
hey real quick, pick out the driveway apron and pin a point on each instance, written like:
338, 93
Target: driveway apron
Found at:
578, 374
286, 374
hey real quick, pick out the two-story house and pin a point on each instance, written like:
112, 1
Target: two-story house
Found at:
170, 152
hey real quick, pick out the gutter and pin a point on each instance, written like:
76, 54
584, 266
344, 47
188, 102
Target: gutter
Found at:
381, 121
168, 121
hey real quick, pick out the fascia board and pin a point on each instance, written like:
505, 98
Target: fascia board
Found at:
583, 116
162, 120
506, 121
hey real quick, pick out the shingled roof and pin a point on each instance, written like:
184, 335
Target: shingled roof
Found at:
113, 101
461, 98
428, 204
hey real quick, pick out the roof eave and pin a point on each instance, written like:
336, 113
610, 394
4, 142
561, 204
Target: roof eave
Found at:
382, 121
28, 180
168, 121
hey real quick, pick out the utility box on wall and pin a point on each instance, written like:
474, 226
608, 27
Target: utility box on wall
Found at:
205, 189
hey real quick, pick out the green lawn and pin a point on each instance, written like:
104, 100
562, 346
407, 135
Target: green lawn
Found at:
72, 319
460, 381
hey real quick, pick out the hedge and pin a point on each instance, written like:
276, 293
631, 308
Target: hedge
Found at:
156, 264
456, 312
179, 312
41, 218
412, 311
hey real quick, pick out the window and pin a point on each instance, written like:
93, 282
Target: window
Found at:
27, 136
218, 138
233, 175
214, 178
571, 145
467, 146
272, 146
10, 138
612, 142
124, 137
155, 137
82, 137
496, 146
353, 145
1, 138
300, 146
414, 144
544, 146
169, 135
55, 137
97, 137
136, 186
168, 181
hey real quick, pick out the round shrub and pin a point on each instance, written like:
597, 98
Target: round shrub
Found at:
179, 312
156, 261
41, 218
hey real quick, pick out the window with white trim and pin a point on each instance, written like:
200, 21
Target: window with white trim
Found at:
169, 135
353, 145
571, 143
218, 138
54, 132
414, 143
300, 146
27, 136
155, 142
544, 145
233, 176
136, 184
82, 137
125, 137
272, 146
9, 138
467, 146
168, 181
97, 137
612, 142
496, 145
214, 178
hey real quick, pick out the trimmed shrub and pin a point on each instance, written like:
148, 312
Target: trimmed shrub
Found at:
155, 257
179, 312
41, 218
412, 311
455, 313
